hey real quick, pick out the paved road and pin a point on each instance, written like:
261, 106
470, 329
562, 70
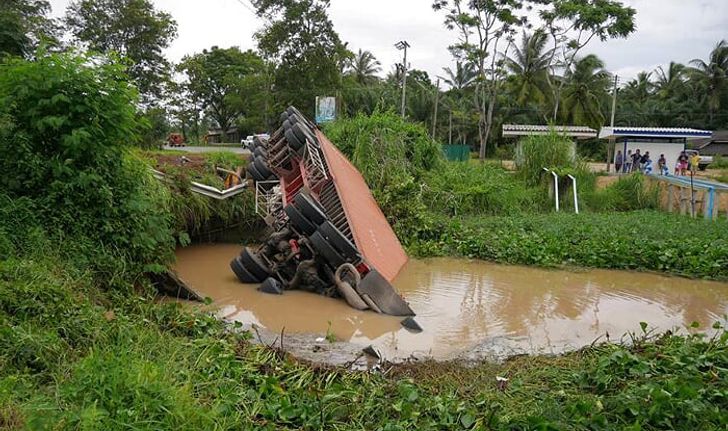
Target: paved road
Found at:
197, 150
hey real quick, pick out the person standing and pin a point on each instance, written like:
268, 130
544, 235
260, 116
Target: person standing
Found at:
647, 168
682, 164
643, 160
628, 162
636, 159
695, 162
618, 161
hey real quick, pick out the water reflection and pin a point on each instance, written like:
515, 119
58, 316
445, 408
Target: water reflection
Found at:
464, 303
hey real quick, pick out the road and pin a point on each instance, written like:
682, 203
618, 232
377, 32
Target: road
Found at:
198, 150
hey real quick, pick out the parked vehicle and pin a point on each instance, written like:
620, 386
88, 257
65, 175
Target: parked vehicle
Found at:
248, 141
175, 140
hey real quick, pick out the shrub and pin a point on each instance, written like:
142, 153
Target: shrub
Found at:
66, 122
534, 153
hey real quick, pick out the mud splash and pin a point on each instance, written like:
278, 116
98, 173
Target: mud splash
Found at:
469, 309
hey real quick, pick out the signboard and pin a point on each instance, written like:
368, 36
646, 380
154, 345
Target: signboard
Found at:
325, 109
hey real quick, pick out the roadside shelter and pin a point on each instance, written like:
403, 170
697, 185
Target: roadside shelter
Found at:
657, 140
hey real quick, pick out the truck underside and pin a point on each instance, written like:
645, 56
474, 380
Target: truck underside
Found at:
329, 235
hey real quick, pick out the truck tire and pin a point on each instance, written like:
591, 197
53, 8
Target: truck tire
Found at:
339, 241
293, 141
326, 250
260, 152
262, 167
251, 261
303, 133
284, 116
310, 208
299, 221
287, 124
255, 174
242, 273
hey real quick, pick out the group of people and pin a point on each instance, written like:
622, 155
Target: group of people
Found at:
638, 162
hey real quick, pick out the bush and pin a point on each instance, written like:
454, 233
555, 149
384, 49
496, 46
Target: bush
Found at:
66, 122
551, 151
629, 193
719, 162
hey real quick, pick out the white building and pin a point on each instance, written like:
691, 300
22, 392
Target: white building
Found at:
668, 141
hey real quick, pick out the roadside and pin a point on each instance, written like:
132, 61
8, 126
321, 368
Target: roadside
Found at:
209, 149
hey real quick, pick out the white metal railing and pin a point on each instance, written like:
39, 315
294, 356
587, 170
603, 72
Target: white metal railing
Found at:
205, 190
269, 202
314, 163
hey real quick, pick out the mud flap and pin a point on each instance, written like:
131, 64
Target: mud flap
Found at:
384, 295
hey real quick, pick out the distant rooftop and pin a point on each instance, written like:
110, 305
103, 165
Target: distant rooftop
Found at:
653, 132
579, 132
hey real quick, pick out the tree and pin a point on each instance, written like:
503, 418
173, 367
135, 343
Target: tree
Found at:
464, 76
24, 25
300, 39
364, 68
572, 24
585, 92
670, 82
482, 26
215, 78
132, 28
530, 65
712, 76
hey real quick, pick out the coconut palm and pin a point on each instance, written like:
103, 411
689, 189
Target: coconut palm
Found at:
585, 92
670, 82
364, 68
462, 77
529, 68
712, 76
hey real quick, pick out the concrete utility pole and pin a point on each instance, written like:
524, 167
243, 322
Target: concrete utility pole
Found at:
402, 46
611, 123
449, 139
437, 102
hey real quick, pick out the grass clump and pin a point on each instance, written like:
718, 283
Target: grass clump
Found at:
551, 151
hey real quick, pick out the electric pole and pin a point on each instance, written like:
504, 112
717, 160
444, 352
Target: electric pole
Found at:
611, 124
437, 101
402, 46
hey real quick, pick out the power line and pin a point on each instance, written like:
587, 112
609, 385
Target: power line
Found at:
247, 5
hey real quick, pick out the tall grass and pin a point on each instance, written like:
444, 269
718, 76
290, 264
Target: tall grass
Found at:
552, 151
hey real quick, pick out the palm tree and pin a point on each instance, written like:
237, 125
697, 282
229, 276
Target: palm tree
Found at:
529, 66
712, 76
585, 91
669, 83
364, 68
462, 78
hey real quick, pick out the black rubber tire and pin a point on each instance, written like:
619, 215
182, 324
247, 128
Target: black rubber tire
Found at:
243, 274
258, 142
293, 141
287, 124
262, 167
251, 261
260, 152
310, 208
255, 173
284, 116
303, 132
339, 241
294, 119
326, 250
299, 221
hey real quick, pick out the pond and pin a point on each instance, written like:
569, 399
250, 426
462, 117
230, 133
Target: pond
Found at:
470, 308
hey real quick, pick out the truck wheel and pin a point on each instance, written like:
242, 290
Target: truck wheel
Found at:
251, 261
284, 116
299, 221
262, 167
243, 274
339, 241
260, 152
326, 251
293, 141
310, 208
255, 173
303, 133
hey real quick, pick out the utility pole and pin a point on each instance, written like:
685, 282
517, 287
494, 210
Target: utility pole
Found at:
402, 46
449, 139
610, 148
437, 101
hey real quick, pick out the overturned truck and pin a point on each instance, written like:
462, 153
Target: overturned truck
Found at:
329, 235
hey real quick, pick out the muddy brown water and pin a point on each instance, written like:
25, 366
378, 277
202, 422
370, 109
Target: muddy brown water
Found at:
468, 308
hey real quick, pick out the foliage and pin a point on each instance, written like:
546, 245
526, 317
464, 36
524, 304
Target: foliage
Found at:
641, 240
132, 28
719, 162
300, 39
534, 153
62, 145
216, 76
363, 68
629, 193
24, 26
585, 94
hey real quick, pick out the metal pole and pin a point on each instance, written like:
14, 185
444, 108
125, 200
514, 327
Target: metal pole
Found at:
576, 196
610, 149
556, 189
437, 101
449, 140
404, 81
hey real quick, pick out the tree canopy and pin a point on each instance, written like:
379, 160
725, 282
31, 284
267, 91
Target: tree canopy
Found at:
24, 24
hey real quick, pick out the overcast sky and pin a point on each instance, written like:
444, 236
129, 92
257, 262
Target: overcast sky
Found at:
678, 30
